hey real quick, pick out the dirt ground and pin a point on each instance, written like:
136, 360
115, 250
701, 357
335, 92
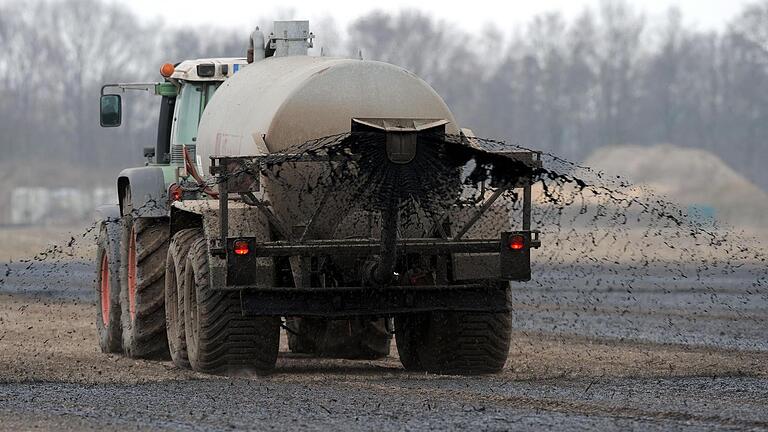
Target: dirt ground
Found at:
18, 243
56, 341
588, 352
51, 370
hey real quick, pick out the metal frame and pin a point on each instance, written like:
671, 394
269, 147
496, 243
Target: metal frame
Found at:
368, 301
296, 244
148, 87
220, 168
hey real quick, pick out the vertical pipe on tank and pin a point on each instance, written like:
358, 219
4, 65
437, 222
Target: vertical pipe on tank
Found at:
256, 50
223, 211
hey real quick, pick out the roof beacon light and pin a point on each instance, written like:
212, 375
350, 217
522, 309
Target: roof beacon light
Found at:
166, 70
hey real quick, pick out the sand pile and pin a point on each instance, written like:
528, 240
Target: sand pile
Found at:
692, 178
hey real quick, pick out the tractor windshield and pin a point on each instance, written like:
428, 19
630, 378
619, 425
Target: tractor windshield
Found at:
192, 101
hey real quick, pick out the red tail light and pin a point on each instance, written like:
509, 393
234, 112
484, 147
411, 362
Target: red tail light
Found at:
517, 242
241, 247
175, 192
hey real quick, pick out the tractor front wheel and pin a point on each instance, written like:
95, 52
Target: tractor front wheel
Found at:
108, 313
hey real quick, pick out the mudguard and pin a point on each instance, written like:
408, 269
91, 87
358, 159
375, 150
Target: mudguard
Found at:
149, 192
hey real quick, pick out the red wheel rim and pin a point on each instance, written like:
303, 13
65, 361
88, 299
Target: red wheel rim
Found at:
132, 274
105, 289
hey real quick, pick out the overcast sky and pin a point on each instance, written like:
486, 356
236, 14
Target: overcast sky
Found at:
469, 15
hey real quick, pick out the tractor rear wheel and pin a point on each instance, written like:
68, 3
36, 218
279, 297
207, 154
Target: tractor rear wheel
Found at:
359, 338
144, 246
108, 324
175, 266
220, 339
462, 343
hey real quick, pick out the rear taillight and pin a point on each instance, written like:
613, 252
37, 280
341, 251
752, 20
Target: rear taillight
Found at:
515, 256
516, 243
175, 192
240, 247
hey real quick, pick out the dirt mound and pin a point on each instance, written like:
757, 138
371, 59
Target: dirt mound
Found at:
690, 177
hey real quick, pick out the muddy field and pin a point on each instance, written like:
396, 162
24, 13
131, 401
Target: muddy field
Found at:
54, 378
582, 357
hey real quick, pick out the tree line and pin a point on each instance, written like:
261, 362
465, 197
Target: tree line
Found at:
610, 76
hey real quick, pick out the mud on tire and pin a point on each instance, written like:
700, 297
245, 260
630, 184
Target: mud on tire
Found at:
144, 245
220, 339
175, 267
463, 343
107, 289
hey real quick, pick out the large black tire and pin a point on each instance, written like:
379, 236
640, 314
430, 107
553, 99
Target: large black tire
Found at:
220, 339
108, 325
460, 343
175, 266
350, 339
144, 245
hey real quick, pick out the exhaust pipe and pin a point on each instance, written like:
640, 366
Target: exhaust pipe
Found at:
256, 49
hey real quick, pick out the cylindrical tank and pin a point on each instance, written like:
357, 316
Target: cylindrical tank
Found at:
287, 101
280, 102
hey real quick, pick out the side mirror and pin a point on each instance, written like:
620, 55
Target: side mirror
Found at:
111, 112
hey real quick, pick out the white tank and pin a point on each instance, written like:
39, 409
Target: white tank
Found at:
287, 101
281, 102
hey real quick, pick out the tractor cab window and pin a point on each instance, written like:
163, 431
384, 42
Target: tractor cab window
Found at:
189, 108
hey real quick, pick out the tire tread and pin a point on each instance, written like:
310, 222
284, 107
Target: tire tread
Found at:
229, 342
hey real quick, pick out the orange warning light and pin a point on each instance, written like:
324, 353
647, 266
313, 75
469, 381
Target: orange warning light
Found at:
166, 70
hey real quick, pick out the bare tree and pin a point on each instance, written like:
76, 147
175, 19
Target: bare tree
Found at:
604, 78
619, 57
443, 56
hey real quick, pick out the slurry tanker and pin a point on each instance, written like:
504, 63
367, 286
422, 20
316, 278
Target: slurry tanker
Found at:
324, 196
